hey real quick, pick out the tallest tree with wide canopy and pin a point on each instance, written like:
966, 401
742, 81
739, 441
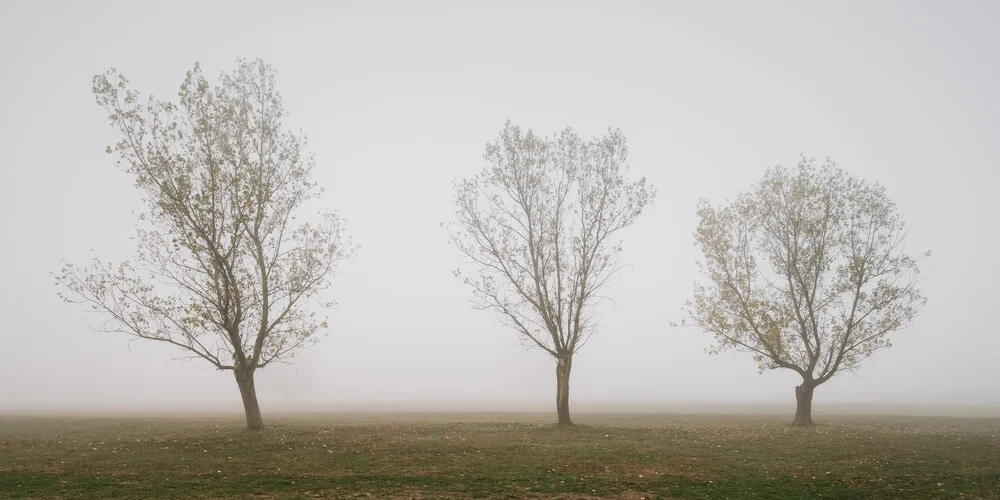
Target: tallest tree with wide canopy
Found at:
225, 271
808, 271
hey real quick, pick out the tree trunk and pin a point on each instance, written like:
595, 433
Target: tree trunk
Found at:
563, 366
804, 403
249, 393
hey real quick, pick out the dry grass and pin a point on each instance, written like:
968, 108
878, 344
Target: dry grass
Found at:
498, 455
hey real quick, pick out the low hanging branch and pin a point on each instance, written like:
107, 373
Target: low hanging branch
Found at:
808, 272
538, 222
223, 271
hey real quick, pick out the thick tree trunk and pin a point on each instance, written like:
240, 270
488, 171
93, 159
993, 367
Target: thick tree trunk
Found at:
563, 366
804, 403
249, 393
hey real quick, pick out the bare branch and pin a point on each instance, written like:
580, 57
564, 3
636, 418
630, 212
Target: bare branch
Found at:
537, 222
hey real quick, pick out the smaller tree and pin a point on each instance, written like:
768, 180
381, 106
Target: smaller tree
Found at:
538, 222
223, 270
807, 272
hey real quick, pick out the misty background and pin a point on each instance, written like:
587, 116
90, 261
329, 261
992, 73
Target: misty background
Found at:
398, 99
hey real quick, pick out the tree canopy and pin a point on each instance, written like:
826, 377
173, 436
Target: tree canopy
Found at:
224, 269
539, 225
808, 271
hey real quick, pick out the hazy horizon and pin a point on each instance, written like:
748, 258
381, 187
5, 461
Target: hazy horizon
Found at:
398, 101
515, 410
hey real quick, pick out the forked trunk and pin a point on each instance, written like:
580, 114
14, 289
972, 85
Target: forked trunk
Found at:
249, 394
563, 366
804, 403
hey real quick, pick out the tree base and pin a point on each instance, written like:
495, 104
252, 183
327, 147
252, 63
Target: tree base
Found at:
251, 408
803, 404
563, 367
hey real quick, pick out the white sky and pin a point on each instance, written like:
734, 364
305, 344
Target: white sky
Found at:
398, 99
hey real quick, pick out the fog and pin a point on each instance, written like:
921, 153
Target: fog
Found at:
398, 100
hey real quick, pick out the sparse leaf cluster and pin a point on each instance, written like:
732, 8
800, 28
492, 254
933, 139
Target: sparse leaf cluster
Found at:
539, 222
223, 270
807, 271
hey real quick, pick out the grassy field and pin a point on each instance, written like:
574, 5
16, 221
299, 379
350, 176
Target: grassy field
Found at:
499, 456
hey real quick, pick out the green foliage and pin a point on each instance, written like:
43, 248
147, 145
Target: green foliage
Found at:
223, 270
807, 271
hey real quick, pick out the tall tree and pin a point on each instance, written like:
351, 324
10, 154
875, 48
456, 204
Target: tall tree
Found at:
808, 272
223, 271
539, 224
